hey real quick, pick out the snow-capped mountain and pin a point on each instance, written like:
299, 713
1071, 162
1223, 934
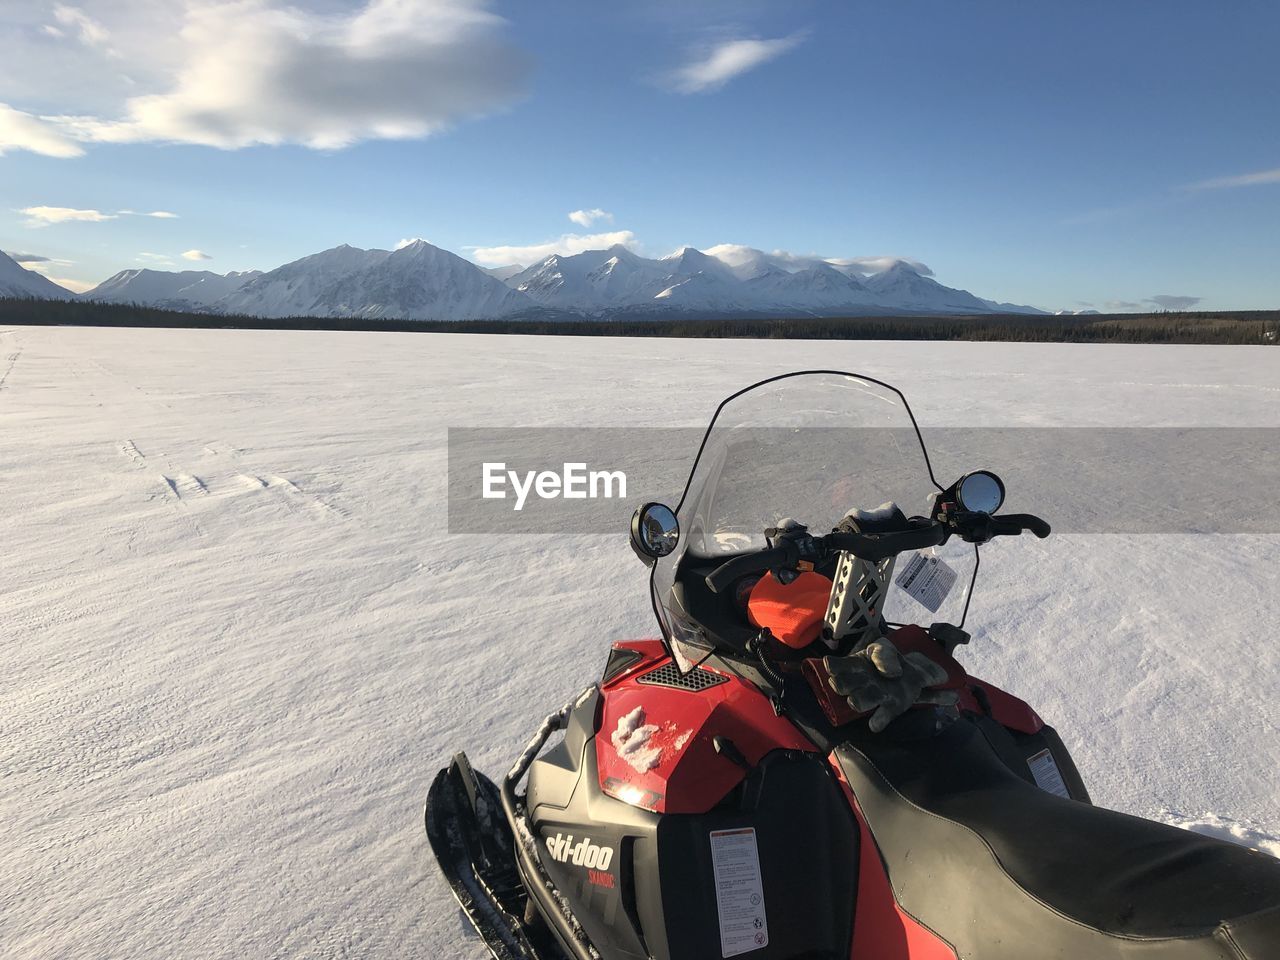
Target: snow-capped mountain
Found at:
504, 272
164, 288
750, 282
905, 289
820, 288
416, 282
593, 281
300, 287
17, 281
419, 281
422, 282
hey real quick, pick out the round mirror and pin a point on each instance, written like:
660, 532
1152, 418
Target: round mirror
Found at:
980, 492
654, 531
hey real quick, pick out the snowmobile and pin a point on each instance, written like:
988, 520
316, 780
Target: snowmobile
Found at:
713, 795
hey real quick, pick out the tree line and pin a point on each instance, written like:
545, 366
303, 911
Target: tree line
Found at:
1231, 327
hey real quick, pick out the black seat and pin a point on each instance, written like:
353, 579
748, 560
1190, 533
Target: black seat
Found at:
1002, 870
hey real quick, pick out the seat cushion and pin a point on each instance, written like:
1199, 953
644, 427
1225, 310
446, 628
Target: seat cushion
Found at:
1006, 871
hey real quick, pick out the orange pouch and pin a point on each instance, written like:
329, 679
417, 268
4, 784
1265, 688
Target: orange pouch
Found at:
792, 612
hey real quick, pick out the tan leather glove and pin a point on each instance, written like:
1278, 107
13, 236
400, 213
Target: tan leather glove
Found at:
880, 679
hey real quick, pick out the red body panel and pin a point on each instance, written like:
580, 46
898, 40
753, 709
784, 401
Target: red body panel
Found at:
663, 759
882, 930
1006, 709
674, 767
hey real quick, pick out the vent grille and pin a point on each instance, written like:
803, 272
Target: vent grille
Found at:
669, 675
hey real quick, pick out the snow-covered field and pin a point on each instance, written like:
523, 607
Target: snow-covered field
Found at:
238, 640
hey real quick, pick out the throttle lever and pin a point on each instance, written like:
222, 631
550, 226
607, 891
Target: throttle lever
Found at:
1025, 521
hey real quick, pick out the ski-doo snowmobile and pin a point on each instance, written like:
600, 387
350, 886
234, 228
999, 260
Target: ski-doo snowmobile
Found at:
717, 794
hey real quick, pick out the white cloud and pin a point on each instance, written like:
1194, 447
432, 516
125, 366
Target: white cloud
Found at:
43, 216
245, 72
869, 265
41, 264
1255, 179
46, 266
737, 255
569, 243
1168, 301
155, 259
75, 286
587, 218
731, 58
196, 255
88, 30
408, 240
22, 131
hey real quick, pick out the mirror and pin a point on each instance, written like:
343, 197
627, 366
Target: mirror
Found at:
980, 492
654, 531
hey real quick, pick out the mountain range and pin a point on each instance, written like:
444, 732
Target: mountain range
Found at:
17, 281
419, 281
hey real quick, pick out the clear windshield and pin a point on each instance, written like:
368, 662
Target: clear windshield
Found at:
810, 447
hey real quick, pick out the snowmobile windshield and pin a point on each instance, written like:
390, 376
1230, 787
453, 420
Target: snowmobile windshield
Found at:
808, 446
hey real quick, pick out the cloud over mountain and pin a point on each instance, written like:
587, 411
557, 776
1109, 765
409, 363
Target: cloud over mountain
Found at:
568, 243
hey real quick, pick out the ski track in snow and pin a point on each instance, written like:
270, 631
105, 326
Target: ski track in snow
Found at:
240, 641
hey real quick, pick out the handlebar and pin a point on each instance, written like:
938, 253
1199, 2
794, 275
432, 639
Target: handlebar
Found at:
749, 563
1013, 524
872, 547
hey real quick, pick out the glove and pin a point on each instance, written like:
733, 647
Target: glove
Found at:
880, 678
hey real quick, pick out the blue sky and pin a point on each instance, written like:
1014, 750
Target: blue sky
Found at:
1062, 155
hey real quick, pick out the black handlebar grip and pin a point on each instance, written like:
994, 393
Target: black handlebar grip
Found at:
878, 546
1025, 521
729, 571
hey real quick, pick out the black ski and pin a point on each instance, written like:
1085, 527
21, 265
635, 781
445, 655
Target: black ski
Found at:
476, 851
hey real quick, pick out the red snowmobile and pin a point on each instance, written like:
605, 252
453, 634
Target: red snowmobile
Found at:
714, 796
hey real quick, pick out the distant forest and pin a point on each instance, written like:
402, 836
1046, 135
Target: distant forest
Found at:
1251, 326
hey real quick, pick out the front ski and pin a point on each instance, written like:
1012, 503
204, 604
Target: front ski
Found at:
475, 848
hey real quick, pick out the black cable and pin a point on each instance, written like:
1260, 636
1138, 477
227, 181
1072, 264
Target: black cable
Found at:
977, 562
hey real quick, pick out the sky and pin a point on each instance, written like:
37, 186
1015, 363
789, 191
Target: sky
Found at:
1116, 155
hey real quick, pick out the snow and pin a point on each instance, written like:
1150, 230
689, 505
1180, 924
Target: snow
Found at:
17, 281
184, 289
593, 281
886, 511
416, 281
738, 280
905, 288
631, 740
1224, 828
240, 640
419, 281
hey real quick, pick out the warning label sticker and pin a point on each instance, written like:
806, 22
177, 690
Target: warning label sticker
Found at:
1048, 777
739, 891
927, 580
